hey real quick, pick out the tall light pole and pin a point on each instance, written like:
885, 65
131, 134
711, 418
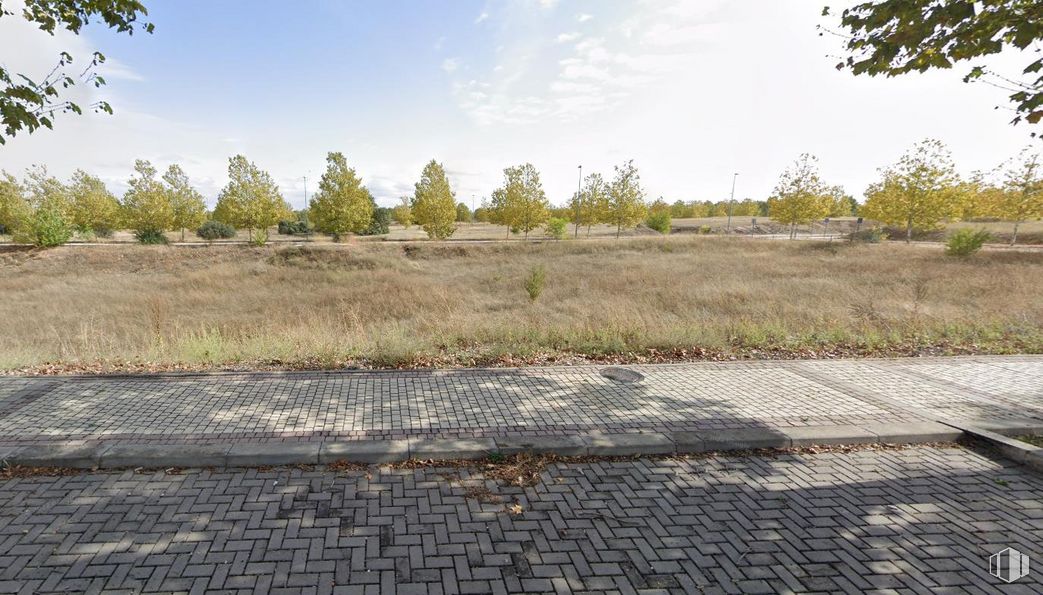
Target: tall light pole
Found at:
305, 178
731, 201
579, 194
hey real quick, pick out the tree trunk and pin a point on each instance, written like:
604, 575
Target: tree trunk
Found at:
588, 231
1014, 237
909, 231
619, 227
577, 230
182, 235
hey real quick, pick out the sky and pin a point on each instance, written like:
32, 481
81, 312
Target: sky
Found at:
693, 92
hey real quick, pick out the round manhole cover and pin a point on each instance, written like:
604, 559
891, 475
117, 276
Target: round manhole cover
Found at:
622, 375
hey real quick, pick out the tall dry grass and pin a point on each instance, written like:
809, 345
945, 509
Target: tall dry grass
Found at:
392, 305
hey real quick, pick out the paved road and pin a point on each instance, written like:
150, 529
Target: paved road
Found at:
266, 407
920, 519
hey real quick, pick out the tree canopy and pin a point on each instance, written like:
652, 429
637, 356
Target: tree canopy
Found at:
800, 197
186, 203
895, 37
28, 103
146, 204
342, 205
626, 200
434, 203
521, 204
250, 200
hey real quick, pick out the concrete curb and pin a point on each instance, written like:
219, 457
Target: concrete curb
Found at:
246, 454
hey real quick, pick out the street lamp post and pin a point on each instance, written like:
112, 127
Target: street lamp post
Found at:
579, 195
731, 201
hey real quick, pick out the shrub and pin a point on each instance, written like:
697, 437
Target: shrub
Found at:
705, 229
965, 242
215, 230
380, 223
873, 235
659, 221
45, 228
289, 228
150, 236
535, 281
556, 228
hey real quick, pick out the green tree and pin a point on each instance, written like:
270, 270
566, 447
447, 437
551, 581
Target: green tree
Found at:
146, 204
14, 210
92, 207
250, 200
186, 203
893, 37
626, 200
590, 205
434, 204
521, 204
918, 192
44, 191
800, 197
463, 214
342, 205
26, 103
1022, 198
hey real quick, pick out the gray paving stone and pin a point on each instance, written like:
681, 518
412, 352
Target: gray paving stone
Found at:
811, 435
448, 448
688, 442
247, 454
560, 445
58, 455
164, 455
7, 452
914, 432
741, 439
600, 444
365, 451
1014, 450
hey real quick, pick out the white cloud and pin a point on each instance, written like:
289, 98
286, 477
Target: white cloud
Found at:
584, 17
567, 37
481, 17
547, 4
450, 65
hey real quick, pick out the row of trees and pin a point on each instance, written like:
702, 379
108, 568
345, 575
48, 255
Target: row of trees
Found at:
917, 193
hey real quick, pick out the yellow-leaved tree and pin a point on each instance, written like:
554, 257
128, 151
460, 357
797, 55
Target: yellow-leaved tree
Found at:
800, 196
250, 200
146, 205
1022, 196
14, 209
342, 205
520, 204
918, 192
590, 205
626, 199
186, 203
434, 203
92, 208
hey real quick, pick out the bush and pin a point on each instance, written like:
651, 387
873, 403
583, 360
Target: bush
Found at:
45, 228
150, 236
874, 235
705, 229
535, 281
380, 223
965, 242
289, 228
659, 221
556, 228
215, 230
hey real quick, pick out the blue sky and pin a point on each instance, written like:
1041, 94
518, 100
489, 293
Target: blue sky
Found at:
692, 91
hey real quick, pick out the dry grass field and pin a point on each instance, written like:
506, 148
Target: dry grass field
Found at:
95, 308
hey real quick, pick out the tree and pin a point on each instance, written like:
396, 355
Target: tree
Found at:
92, 207
403, 213
521, 204
800, 197
342, 205
918, 192
47, 192
1022, 198
434, 204
14, 209
146, 204
841, 204
892, 38
626, 200
589, 206
250, 200
28, 104
463, 214
186, 203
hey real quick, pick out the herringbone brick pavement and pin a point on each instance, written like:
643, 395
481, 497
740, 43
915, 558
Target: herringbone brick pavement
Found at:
914, 520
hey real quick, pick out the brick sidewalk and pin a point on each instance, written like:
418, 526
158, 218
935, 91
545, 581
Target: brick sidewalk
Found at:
528, 402
918, 520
